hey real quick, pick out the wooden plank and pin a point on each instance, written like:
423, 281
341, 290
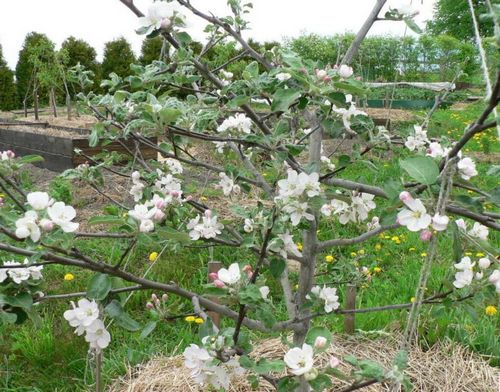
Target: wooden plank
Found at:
53, 162
41, 142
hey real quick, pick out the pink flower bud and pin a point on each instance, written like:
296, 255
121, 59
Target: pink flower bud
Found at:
219, 283
334, 362
320, 342
425, 235
189, 198
321, 74
160, 204
46, 224
159, 215
175, 194
327, 79
154, 297
149, 305
208, 213
213, 276
166, 23
405, 196
10, 154
164, 297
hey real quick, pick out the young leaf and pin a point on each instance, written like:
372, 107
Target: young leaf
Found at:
99, 286
283, 98
422, 169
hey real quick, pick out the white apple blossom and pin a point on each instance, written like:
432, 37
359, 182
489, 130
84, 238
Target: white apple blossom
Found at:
19, 274
83, 315
219, 147
227, 185
283, 76
38, 200
62, 215
415, 217
495, 279
461, 224
236, 125
170, 186
484, 263
226, 74
307, 131
297, 211
174, 165
289, 246
299, 360
347, 114
231, 275
418, 139
97, 335
357, 211
374, 224
207, 228
296, 184
466, 168
195, 358
27, 226
327, 294
479, 231
7, 155
34, 271
143, 214
249, 225
329, 164
320, 342
345, 71
465, 274
436, 150
440, 222
159, 15
264, 291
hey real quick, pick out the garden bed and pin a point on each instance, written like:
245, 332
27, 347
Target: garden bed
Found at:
57, 144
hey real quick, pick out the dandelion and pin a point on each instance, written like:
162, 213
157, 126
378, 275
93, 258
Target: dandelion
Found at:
480, 254
412, 249
412, 299
153, 256
353, 254
68, 277
377, 270
190, 319
299, 246
490, 310
361, 252
378, 246
199, 320
329, 258
423, 254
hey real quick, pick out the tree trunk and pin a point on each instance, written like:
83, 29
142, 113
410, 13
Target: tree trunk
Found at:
68, 106
353, 49
25, 107
53, 102
35, 102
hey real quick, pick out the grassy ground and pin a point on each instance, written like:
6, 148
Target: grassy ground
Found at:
48, 357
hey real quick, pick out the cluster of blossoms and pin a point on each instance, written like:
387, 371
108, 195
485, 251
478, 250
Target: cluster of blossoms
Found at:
160, 15
355, 211
149, 213
344, 71
45, 214
137, 186
20, 274
85, 317
206, 369
294, 191
226, 77
347, 114
465, 274
7, 155
419, 140
288, 246
207, 228
416, 218
300, 360
157, 304
232, 278
478, 230
236, 125
227, 185
328, 295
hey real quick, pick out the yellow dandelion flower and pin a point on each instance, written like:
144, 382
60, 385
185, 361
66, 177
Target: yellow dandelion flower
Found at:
68, 277
378, 246
199, 320
423, 254
377, 270
153, 256
190, 319
361, 252
412, 299
353, 254
468, 253
299, 246
480, 254
395, 238
412, 249
490, 310
329, 258
203, 198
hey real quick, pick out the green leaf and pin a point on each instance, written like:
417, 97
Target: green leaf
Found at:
8, 318
295, 149
316, 332
115, 310
105, 220
250, 295
251, 71
393, 188
150, 327
412, 25
422, 169
401, 360
266, 314
283, 98
371, 369
266, 366
22, 300
287, 384
320, 383
99, 286
276, 267
31, 159
169, 115
495, 196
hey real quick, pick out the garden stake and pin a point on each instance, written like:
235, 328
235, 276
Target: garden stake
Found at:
350, 304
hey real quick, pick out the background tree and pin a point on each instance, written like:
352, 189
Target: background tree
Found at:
452, 17
7, 86
80, 51
24, 66
151, 50
118, 56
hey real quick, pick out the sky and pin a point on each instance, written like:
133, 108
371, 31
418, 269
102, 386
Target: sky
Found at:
99, 21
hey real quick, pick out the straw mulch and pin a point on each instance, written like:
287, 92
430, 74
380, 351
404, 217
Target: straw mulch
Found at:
446, 367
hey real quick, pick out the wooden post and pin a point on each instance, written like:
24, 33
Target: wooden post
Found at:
98, 369
25, 108
35, 103
214, 266
350, 303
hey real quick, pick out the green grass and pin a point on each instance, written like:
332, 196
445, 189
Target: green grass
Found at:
48, 357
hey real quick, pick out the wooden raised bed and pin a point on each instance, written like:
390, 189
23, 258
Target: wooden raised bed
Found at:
57, 149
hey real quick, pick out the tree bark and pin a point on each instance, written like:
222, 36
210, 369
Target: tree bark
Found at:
53, 102
372, 18
35, 102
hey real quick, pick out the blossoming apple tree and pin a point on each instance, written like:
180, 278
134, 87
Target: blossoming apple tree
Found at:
267, 130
